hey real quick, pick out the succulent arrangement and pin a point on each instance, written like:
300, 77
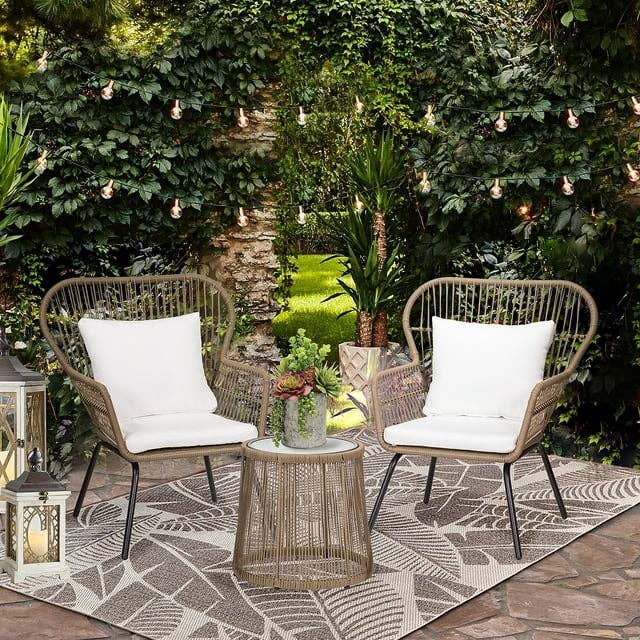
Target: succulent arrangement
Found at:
300, 373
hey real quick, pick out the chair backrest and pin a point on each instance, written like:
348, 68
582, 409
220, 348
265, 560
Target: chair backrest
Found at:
504, 302
136, 298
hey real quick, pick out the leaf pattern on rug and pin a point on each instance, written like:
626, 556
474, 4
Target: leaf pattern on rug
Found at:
178, 583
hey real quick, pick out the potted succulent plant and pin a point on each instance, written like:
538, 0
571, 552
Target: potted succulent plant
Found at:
304, 383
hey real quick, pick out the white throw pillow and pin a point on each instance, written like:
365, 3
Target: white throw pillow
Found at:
486, 370
149, 367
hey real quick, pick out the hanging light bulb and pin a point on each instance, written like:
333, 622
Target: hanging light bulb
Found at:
632, 173
424, 185
635, 106
358, 204
176, 210
41, 62
501, 123
242, 219
302, 117
359, 105
302, 216
496, 190
572, 119
107, 91
567, 188
176, 110
524, 211
41, 162
107, 191
593, 213
429, 118
243, 121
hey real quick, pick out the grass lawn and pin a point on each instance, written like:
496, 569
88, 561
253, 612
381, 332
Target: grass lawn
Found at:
314, 281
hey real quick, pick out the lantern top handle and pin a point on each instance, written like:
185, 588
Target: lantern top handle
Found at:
35, 459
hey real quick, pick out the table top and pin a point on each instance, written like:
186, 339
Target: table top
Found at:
332, 445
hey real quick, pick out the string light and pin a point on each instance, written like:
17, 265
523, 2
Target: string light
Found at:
359, 105
242, 220
567, 188
632, 173
41, 62
302, 117
243, 121
107, 191
524, 211
176, 110
501, 123
572, 119
302, 216
425, 185
636, 105
107, 91
41, 163
358, 204
429, 118
496, 190
176, 210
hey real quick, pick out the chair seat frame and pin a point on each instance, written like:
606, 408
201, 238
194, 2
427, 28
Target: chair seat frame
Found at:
241, 390
398, 394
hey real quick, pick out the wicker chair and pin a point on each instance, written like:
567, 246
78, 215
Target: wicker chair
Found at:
242, 391
399, 393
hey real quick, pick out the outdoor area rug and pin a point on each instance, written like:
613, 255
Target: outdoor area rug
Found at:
178, 582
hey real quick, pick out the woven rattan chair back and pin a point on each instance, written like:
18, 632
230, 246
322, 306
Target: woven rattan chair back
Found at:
136, 298
504, 302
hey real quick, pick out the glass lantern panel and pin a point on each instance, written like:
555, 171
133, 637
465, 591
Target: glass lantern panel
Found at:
8, 417
10, 534
41, 533
35, 424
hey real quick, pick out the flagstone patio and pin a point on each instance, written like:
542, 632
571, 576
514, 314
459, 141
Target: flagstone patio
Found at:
589, 589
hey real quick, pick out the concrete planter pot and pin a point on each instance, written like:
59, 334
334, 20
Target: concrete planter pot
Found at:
316, 424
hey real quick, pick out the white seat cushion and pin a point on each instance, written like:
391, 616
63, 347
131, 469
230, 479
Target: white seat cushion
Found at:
491, 435
150, 367
174, 430
486, 370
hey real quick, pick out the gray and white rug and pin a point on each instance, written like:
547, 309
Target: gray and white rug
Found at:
178, 582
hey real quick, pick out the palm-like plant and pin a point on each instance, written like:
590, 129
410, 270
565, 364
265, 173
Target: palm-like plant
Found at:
374, 288
15, 143
97, 14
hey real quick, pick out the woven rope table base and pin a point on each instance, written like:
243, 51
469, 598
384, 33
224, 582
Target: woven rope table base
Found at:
302, 520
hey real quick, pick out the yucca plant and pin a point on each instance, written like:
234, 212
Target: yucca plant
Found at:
374, 288
15, 144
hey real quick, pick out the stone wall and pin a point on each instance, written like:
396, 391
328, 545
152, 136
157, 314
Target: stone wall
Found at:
245, 260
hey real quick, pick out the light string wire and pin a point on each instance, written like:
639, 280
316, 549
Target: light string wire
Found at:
582, 174
258, 107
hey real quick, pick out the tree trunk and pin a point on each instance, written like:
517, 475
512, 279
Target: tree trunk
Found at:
364, 324
380, 329
380, 237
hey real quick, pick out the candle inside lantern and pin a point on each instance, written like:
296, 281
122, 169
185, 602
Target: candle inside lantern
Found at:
8, 463
38, 541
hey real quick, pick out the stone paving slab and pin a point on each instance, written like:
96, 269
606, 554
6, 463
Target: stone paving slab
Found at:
589, 589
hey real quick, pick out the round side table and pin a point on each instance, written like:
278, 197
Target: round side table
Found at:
302, 521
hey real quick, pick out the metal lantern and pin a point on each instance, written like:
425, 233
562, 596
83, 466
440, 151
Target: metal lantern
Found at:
22, 416
35, 523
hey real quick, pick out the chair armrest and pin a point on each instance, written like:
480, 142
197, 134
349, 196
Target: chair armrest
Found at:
242, 392
97, 401
398, 395
542, 403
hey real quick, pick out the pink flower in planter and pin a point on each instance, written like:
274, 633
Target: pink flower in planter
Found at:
292, 385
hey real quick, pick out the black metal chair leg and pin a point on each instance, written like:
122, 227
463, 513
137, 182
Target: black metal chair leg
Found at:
506, 473
383, 489
131, 510
87, 479
552, 480
212, 486
427, 489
